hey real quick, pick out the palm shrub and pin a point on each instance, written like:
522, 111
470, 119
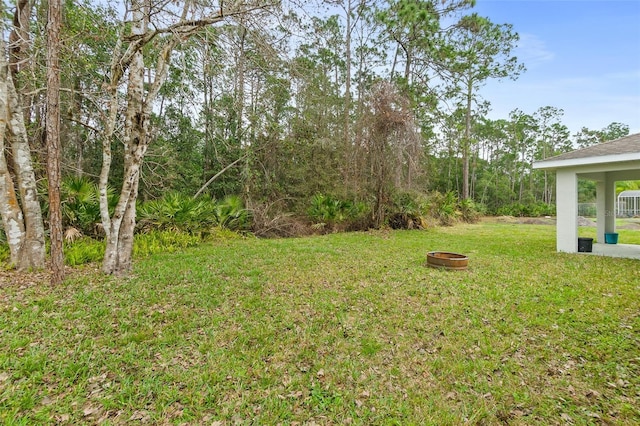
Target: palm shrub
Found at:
470, 211
328, 212
197, 216
326, 209
444, 207
358, 216
177, 212
231, 214
407, 211
80, 206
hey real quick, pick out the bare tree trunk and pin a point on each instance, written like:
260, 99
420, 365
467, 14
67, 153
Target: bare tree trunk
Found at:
34, 254
12, 218
53, 141
19, 60
22, 217
466, 142
117, 260
347, 89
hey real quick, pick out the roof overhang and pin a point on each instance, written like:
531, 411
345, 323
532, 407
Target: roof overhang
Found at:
586, 161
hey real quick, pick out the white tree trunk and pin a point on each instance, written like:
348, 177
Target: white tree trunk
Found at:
12, 219
22, 219
117, 258
33, 255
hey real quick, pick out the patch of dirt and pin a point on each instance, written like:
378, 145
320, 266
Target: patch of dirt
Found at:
23, 280
539, 221
546, 220
583, 221
629, 226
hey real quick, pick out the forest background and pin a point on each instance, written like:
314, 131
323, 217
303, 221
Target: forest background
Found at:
270, 117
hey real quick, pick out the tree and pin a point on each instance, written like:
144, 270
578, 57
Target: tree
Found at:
53, 141
586, 137
393, 145
21, 215
411, 26
553, 139
154, 28
480, 50
521, 130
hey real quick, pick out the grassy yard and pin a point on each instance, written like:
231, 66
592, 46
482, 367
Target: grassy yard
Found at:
337, 329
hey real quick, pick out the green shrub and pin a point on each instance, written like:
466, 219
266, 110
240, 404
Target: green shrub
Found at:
197, 216
177, 212
534, 209
444, 207
326, 209
231, 214
407, 211
5, 254
79, 205
327, 212
163, 241
469, 211
87, 250
83, 250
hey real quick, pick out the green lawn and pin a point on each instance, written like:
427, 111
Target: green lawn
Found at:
337, 329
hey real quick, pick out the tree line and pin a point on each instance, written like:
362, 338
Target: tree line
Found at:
359, 106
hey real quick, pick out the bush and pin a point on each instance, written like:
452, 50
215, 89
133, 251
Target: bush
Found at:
407, 211
163, 241
470, 211
83, 250
231, 214
5, 255
412, 210
535, 209
329, 213
196, 216
177, 212
444, 207
80, 206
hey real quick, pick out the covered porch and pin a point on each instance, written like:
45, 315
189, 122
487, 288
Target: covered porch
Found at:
605, 164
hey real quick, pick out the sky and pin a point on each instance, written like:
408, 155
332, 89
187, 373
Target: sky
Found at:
582, 56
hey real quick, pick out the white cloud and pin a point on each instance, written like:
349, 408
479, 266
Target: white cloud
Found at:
532, 50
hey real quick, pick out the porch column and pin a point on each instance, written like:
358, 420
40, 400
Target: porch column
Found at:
609, 206
601, 208
567, 211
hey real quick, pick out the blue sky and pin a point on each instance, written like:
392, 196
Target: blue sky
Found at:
582, 56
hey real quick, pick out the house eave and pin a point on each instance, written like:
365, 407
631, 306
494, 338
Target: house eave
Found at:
588, 161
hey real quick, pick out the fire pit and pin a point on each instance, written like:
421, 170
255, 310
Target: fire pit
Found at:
447, 260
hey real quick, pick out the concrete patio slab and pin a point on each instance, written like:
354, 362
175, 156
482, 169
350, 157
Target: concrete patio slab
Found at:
629, 251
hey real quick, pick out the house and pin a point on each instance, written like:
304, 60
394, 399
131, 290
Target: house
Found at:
603, 163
